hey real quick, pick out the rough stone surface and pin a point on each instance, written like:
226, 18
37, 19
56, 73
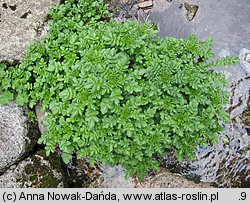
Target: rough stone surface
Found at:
113, 177
165, 179
191, 10
17, 135
20, 22
161, 5
41, 117
36, 171
245, 59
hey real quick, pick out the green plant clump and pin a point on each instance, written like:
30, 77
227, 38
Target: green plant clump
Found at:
117, 93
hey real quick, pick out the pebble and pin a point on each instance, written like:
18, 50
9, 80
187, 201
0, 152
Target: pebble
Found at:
145, 4
247, 58
191, 10
244, 57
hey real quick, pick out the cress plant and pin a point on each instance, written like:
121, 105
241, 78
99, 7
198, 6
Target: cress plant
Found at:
117, 93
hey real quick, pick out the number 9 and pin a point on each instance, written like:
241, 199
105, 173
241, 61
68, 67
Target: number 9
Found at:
243, 195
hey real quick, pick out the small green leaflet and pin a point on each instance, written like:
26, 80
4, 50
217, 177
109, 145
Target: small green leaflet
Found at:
22, 99
6, 97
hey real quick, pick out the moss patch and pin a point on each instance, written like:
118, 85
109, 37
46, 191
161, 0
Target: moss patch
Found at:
44, 172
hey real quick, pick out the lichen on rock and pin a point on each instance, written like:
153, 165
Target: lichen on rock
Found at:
37, 171
21, 22
18, 135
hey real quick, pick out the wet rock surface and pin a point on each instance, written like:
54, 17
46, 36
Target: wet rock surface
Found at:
37, 171
82, 174
228, 163
17, 135
20, 22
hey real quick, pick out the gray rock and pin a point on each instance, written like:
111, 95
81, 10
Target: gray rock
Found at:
245, 59
224, 53
161, 5
166, 179
142, 15
17, 135
41, 117
133, 11
20, 22
100, 176
114, 177
36, 171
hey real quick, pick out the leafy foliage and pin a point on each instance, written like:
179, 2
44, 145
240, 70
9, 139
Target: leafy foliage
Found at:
117, 93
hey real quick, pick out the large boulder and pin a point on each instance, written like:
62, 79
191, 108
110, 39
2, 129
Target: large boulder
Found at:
17, 135
20, 22
37, 171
